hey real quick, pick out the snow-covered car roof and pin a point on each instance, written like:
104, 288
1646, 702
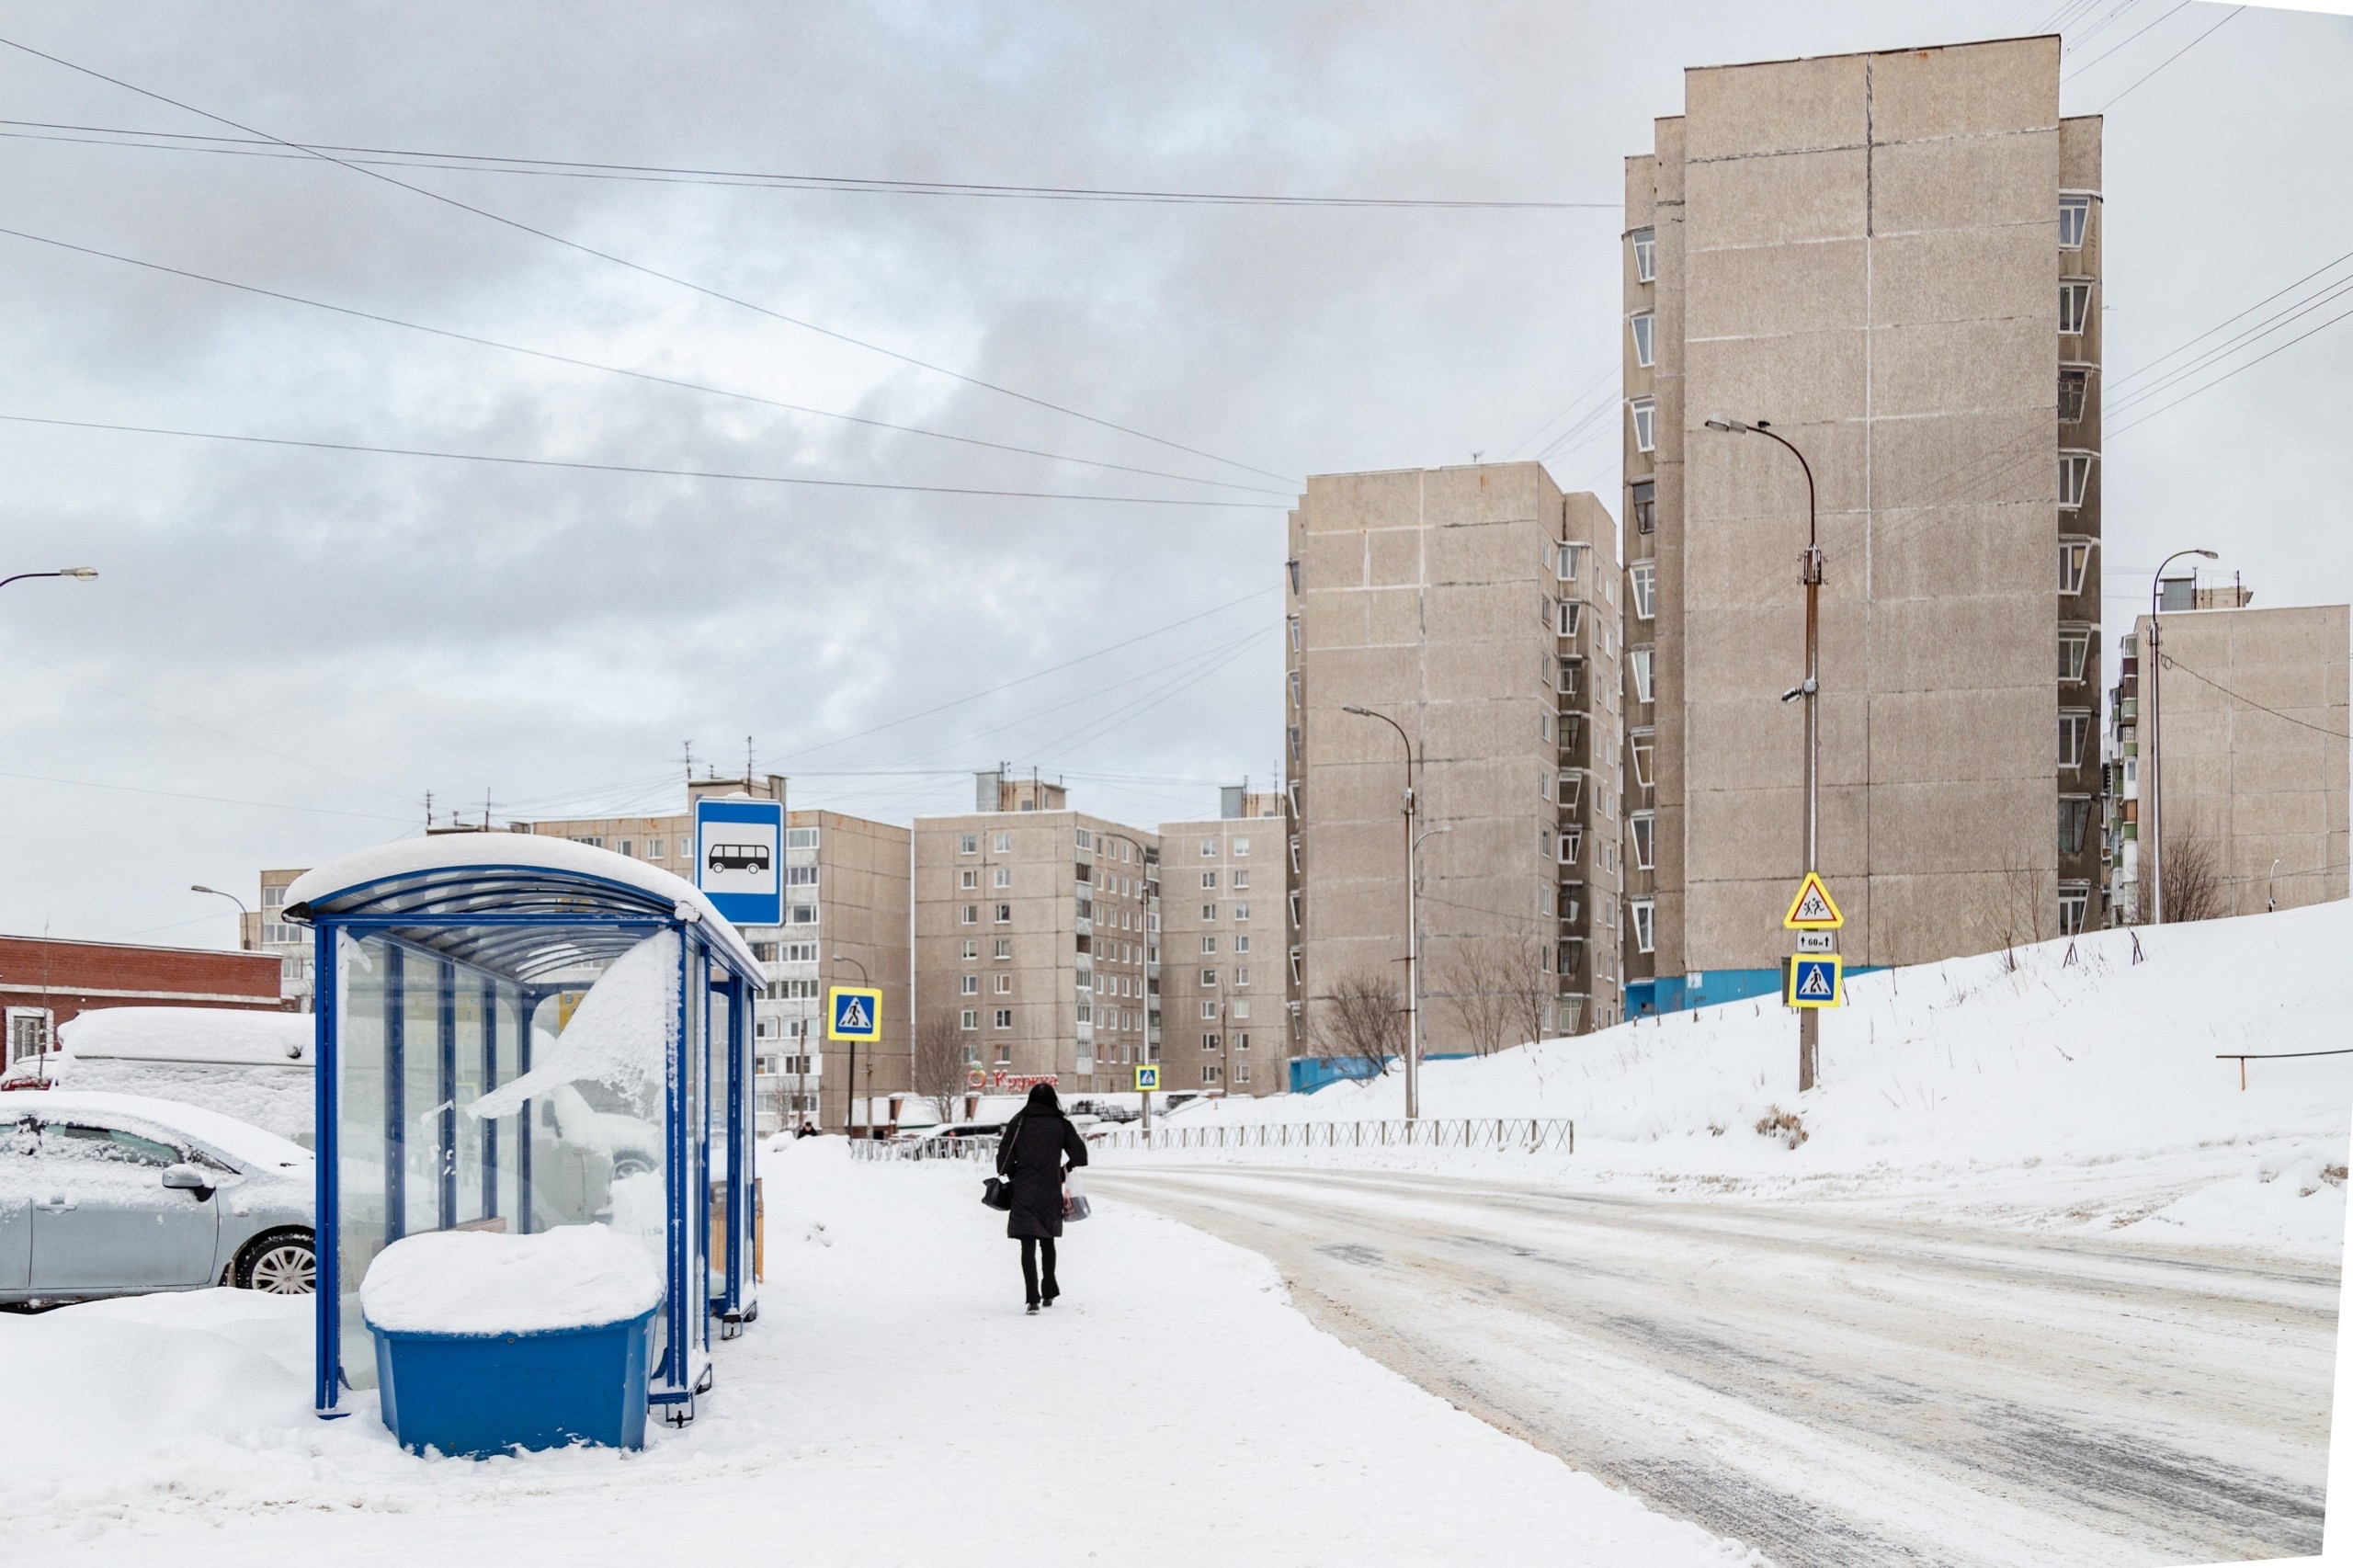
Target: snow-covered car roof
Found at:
240, 1141
517, 851
229, 1036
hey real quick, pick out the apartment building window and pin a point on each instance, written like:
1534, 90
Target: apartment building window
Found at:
1571, 843
2075, 564
1209, 1012
1004, 948
1641, 750
1645, 412
1241, 877
1240, 851
2075, 213
2074, 307
1083, 839
1242, 912
1242, 944
1568, 563
1572, 730
801, 952
2074, 724
1294, 911
1642, 581
1209, 1072
1645, 244
2074, 648
2075, 477
1638, 664
1208, 912
1002, 844
765, 951
1642, 912
1645, 505
1209, 977
1295, 966
1208, 944
1572, 902
1294, 633
653, 849
2074, 898
971, 1019
972, 986
1571, 787
1004, 1017
971, 951
803, 915
1293, 738
2075, 817
1571, 677
1641, 322
1208, 881
1005, 915
1293, 567
2074, 388
969, 844
968, 879
1004, 984
1242, 1069
1568, 613
1639, 825
1291, 682
1242, 977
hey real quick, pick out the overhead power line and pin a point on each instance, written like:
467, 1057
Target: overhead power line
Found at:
638, 469
646, 376
738, 179
183, 795
2169, 59
2170, 663
641, 269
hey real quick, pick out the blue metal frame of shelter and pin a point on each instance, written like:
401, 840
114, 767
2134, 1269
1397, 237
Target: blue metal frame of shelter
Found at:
500, 922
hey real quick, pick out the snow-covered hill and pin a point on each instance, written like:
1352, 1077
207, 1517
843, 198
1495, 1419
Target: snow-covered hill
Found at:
2076, 1061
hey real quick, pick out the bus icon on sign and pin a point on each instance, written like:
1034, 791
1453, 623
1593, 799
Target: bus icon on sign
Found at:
740, 857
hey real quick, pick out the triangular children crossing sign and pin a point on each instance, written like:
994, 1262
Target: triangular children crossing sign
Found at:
1813, 910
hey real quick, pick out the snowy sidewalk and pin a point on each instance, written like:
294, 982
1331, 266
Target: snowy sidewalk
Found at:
892, 1405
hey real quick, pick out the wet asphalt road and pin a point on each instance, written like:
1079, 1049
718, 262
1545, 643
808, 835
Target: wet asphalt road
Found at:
1828, 1385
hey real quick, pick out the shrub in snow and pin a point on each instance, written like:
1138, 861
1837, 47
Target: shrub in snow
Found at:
1784, 1125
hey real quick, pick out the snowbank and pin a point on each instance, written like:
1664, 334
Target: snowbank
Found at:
621, 1035
487, 1282
1231, 1431
2077, 1055
202, 1035
409, 857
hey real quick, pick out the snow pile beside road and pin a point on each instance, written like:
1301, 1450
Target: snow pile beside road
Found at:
891, 1405
219, 1035
484, 1282
2076, 1054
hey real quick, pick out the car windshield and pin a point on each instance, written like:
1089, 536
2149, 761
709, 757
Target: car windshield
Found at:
110, 1145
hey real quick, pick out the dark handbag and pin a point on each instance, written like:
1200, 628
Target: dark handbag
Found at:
996, 1195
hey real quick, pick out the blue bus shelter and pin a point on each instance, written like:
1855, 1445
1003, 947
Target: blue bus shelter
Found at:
444, 968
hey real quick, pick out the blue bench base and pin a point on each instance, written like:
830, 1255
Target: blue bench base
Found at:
482, 1394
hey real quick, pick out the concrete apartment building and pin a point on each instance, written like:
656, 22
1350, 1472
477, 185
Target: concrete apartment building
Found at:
264, 929
1894, 260
1037, 934
1226, 993
1476, 609
2254, 752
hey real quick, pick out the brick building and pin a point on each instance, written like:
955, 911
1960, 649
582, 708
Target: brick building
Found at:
45, 982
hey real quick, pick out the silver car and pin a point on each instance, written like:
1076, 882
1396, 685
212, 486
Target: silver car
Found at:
116, 1194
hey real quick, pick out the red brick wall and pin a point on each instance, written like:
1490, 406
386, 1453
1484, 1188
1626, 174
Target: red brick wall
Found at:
74, 977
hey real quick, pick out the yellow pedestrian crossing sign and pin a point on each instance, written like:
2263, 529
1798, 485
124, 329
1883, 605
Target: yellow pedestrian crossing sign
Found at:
1147, 1078
854, 1011
1815, 981
1812, 909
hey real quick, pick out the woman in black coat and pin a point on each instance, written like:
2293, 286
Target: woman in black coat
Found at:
1029, 1155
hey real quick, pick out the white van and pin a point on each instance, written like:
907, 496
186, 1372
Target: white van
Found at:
255, 1066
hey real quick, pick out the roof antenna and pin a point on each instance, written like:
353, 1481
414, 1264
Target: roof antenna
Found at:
748, 762
690, 761
428, 808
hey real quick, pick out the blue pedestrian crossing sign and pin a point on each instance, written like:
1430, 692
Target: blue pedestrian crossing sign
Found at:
854, 1011
1147, 1078
1815, 981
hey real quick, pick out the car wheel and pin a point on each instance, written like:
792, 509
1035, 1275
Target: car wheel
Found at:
282, 1263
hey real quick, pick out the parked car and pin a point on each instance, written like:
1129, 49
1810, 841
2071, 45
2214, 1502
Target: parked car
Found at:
117, 1195
957, 1129
1105, 1111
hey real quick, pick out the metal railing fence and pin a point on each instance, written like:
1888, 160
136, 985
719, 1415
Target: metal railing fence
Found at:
1522, 1134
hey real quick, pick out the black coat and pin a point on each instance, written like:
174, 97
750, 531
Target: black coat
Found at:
1029, 1156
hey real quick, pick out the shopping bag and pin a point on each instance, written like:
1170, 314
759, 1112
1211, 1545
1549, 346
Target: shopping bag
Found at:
1075, 1204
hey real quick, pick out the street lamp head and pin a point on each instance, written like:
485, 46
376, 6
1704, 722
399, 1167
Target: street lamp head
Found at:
2208, 554
200, 887
81, 573
1358, 709
1717, 422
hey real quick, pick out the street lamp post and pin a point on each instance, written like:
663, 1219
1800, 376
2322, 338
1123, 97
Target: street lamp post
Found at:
1412, 919
1144, 900
1809, 574
232, 898
849, 1083
2151, 786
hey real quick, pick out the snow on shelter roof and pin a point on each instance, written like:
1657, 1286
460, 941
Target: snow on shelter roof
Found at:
449, 876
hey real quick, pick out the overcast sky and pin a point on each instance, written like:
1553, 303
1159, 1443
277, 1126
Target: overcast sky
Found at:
289, 647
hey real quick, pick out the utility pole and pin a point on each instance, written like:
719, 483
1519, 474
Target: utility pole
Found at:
1810, 576
2151, 784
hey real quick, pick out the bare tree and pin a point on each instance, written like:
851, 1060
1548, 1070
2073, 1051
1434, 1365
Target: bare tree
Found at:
2019, 907
1529, 986
1360, 1021
1475, 991
940, 1065
2193, 882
